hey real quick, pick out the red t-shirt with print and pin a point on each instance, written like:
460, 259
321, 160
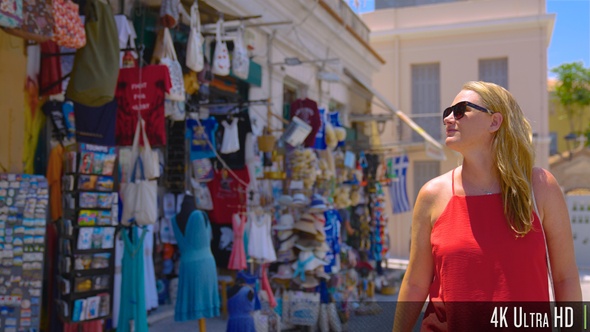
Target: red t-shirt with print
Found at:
146, 97
307, 110
227, 194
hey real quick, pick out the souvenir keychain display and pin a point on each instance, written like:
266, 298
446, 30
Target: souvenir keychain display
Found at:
23, 214
87, 233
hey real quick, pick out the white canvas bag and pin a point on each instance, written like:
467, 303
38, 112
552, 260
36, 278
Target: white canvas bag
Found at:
240, 61
221, 63
150, 158
169, 59
194, 47
140, 199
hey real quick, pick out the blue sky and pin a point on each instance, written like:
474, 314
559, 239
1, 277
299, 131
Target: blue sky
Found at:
571, 33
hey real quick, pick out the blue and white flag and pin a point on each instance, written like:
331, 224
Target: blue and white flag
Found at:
398, 166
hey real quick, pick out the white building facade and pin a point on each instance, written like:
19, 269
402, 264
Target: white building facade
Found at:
431, 48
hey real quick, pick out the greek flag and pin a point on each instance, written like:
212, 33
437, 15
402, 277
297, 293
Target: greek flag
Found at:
398, 166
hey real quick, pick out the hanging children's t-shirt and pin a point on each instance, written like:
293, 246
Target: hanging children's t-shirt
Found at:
198, 136
227, 194
235, 160
231, 142
146, 97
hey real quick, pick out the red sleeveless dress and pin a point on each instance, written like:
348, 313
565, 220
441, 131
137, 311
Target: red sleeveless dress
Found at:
478, 260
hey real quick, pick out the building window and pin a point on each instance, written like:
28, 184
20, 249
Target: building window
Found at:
553, 144
383, 4
424, 171
495, 71
426, 100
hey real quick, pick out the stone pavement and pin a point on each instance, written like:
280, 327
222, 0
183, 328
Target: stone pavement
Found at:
162, 320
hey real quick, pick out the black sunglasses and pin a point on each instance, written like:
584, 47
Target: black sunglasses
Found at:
460, 108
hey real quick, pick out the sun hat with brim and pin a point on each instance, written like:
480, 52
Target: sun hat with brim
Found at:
284, 233
285, 272
309, 282
321, 251
286, 256
321, 273
318, 204
288, 243
299, 200
285, 222
307, 244
285, 200
306, 224
307, 262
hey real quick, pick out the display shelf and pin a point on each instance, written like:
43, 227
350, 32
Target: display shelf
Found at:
87, 233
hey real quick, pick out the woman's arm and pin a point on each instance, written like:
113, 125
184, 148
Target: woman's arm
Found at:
419, 274
558, 231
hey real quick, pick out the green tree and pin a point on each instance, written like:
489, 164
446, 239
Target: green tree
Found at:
572, 92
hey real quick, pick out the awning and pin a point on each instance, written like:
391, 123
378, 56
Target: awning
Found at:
432, 145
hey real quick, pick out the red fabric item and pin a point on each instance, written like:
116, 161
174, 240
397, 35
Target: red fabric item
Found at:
92, 326
266, 287
147, 97
479, 260
307, 110
227, 194
50, 69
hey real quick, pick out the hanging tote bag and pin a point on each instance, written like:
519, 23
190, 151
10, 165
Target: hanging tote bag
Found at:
150, 158
140, 199
37, 23
240, 62
169, 59
11, 13
194, 47
221, 55
68, 30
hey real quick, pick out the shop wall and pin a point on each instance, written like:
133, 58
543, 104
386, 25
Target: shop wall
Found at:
12, 75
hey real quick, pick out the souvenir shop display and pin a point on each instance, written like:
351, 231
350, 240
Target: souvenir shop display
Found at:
24, 203
87, 233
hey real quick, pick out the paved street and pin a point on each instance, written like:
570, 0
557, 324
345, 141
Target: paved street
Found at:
163, 321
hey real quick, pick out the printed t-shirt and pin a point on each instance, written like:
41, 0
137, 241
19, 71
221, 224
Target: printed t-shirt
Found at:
146, 97
53, 110
227, 193
54, 170
222, 243
96, 125
307, 110
198, 136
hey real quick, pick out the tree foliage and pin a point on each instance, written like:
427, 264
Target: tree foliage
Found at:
572, 92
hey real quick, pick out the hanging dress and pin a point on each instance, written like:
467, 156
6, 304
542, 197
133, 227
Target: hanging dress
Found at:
151, 293
198, 295
231, 142
132, 307
237, 260
240, 310
260, 244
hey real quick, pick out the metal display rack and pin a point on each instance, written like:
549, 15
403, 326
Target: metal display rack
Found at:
86, 245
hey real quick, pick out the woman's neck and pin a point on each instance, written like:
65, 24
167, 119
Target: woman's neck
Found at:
480, 176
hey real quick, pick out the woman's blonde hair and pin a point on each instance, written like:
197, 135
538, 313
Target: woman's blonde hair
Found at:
514, 154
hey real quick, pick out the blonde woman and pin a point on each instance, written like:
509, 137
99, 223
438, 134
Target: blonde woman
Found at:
476, 237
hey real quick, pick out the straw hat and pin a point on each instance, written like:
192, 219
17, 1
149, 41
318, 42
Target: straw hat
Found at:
318, 204
306, 244
286, 256
309, 261
285, 272
285, 222
288, 242
306, 224
309, 282
321, 251
299, 200
321, 273
285, 200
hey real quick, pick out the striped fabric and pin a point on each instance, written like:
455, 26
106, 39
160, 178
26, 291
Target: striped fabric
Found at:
398, 192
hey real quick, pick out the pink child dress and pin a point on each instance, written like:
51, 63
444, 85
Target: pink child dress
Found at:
237, 260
